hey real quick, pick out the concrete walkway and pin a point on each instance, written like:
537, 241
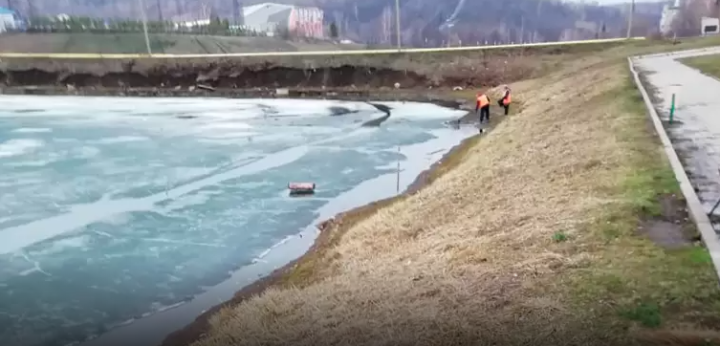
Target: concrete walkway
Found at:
695, 133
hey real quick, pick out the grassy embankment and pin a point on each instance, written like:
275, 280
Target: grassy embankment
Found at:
134, 43
546, 231
708, 64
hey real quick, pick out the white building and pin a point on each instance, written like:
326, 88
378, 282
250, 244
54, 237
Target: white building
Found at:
297, 20
710, 26
7, 19
266, 17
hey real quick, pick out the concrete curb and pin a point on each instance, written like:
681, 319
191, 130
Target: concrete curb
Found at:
697, 212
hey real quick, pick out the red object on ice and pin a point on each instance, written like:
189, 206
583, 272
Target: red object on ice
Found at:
301, 188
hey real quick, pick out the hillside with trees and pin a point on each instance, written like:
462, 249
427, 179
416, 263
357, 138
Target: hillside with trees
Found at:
423, 22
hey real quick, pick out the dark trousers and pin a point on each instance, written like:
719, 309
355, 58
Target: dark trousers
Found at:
503, 105
485, 113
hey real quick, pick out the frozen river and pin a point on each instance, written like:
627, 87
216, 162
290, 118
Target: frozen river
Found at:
114, 209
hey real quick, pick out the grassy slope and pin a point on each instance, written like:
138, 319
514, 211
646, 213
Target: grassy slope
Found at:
135, 43
531, 236
709, 64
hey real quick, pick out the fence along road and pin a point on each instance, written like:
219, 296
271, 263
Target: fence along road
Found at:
310, 53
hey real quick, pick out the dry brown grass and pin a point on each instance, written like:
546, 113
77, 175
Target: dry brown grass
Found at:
531, 239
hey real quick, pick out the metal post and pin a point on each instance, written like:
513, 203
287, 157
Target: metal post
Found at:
397, 181
672, 108
630, 18
397, 23
144, 19
715, 206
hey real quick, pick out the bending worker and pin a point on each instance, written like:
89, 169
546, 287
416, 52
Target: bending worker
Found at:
483, 104
504, 102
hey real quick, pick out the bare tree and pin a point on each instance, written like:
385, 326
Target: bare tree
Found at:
687, 22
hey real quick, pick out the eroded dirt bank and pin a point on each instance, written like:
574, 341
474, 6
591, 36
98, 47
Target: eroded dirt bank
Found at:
472, 68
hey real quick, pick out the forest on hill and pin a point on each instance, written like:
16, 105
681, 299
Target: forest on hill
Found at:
423, 22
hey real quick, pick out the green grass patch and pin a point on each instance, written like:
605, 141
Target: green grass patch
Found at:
632, 276
559, 237
648, 314
709, 64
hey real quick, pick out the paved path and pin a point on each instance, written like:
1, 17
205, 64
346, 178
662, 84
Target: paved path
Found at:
695, 134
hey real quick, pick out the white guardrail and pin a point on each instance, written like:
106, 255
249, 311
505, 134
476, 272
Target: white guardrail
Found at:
308, 53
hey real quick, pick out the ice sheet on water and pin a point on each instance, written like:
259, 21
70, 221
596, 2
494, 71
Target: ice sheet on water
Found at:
420, 111
155, 107
123, 208
121, 139
17, 147
32, 130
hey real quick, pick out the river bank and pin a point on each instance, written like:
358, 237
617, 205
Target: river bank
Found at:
98, 109
297, 272
520, 239
189, 320
291, 253
527, 226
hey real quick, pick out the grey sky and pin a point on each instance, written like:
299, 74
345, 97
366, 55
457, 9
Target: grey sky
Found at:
607, 2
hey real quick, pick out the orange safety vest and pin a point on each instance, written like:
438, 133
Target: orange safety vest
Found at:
507, 100
483, 100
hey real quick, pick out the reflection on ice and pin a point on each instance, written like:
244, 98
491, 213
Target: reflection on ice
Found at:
114, 208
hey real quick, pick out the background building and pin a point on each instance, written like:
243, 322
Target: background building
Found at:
306, 22
266, 17
297, 21
710, 26
7, 20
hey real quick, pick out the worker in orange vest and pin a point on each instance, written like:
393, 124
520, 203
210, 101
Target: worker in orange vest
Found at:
505, 101
483, 104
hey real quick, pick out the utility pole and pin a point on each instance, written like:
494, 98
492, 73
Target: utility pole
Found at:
145, 31
630, 19
160, 13
235, 12
397, 180
536, 26
179, 8
32, 13
397, 23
